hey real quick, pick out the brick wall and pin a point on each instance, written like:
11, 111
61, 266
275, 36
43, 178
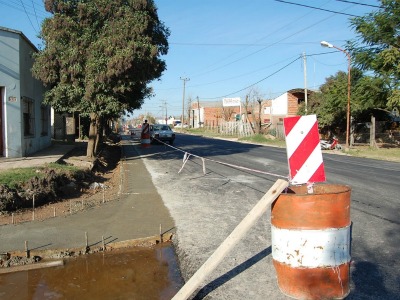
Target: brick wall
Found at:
293, 105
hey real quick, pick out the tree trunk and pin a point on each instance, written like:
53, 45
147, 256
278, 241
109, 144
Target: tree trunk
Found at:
99, 133
259, 118
90, 151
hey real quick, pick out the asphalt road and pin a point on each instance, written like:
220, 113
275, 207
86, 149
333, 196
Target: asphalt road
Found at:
207, 207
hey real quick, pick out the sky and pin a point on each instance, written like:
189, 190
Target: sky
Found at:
223, 48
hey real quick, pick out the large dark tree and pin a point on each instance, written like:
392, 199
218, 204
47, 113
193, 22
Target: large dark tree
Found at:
377, 47
330, 104
100, 56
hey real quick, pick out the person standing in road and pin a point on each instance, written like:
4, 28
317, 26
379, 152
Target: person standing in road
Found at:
145, 127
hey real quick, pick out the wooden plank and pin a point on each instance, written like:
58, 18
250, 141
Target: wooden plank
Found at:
258, 210
34, 266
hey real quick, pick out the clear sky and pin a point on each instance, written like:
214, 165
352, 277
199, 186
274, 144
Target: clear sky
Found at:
226, 47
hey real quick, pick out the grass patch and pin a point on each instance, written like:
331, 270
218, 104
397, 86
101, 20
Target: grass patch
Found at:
15, 177
389, 154
262, 139
257, 138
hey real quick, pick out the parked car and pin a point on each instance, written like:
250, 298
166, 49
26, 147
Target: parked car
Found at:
160, 132
179, 125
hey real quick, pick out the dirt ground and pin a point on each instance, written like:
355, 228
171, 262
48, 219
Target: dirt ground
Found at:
103, 188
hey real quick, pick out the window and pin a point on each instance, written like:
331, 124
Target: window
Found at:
44, 116
29, 116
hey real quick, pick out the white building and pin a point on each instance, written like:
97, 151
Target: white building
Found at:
24, 121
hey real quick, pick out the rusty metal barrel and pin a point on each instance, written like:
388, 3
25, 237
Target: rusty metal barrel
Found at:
145, 136
145, 140
311, 241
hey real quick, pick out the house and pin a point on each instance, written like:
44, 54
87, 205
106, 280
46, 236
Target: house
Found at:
25, 125
212, 113
285, 105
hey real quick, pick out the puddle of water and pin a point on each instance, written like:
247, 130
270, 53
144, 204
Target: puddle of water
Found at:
121, 274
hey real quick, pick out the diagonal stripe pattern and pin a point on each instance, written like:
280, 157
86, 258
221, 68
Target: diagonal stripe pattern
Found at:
303, 149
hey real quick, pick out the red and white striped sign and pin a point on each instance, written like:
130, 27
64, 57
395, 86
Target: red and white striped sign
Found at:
303, 150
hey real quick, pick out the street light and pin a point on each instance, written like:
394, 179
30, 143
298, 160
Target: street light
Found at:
329, 45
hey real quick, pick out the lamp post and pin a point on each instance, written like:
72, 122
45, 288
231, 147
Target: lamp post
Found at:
329, 45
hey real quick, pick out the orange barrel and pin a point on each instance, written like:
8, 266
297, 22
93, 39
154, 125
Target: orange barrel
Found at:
311, 241
145, 140
145, 136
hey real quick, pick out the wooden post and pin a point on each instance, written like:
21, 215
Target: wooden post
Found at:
161, 235
54, 212
86, 240
104, 245
26, 249
372, 138
258, 210
12, 218
33, 208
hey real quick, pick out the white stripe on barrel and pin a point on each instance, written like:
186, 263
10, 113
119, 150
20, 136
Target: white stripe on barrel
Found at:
311, 248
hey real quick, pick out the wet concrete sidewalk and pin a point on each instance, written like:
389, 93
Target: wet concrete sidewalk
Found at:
50, 154
137, 212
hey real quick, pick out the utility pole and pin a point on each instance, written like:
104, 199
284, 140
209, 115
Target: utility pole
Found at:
183, 100
305, 81
166, 113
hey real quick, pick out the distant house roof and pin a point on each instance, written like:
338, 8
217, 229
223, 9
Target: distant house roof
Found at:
21, 34
298, 91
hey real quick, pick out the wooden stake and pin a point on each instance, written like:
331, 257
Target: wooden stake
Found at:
86, 239
161, 235
104, 196
26, 249
54, 212
12, 218
33, 206
104, 245
240, 230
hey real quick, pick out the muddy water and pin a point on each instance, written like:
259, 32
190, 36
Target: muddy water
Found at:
121, 274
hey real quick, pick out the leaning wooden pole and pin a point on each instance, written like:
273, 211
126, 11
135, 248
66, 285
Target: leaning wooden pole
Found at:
240, 230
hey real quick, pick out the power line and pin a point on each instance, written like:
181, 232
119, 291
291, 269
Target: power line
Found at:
241, 75
270, 75
34, 9
358, 3
270, 45
28, 8
294, 21
235, 44
261, 80
318, 8
28, 16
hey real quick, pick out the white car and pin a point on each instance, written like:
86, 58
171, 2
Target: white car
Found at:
160, 132
179, 125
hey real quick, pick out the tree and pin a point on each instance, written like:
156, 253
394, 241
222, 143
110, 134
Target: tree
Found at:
227, 112
377, 47
330, 104
99, 57
252, 105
